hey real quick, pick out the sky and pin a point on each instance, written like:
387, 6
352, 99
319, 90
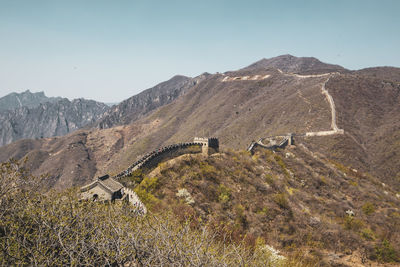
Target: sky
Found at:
109, 50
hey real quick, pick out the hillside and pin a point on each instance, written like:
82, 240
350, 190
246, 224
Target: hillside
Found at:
241, 111
367, 109
25, 99
33, 115
297, 201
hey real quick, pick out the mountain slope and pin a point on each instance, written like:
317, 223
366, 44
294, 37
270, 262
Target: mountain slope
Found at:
25, 99
139, 105
48, 119
333, 198
367, 109
384, 73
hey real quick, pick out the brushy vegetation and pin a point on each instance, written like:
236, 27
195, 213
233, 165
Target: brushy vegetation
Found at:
281, 200
224, 194
227, 203
385, 252
368, 208
296, 203
57, 229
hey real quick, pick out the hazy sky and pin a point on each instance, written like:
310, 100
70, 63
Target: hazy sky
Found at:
109, 50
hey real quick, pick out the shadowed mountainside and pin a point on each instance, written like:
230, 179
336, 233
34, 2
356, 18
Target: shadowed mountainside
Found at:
139, 105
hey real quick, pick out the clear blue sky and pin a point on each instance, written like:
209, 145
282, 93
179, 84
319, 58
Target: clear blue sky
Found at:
110, 50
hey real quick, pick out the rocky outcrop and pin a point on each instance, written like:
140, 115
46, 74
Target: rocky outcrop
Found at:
25, 99
48, 119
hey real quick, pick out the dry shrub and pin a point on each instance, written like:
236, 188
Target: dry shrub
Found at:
281, 200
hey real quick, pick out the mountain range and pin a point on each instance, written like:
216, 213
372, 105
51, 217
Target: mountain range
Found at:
270, 101
260, 100
333, 196
33, 115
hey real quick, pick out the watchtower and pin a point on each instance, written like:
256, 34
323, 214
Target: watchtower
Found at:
209, 145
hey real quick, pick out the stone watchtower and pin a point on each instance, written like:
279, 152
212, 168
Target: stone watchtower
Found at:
290, 139
209, 145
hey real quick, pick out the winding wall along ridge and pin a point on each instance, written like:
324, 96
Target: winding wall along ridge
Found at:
334, 128
147, 158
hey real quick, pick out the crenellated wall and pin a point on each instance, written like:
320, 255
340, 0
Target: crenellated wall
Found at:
152, 159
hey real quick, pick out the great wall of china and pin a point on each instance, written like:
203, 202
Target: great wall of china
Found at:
275, 142
152, 159
245, 78
211, 145
118, 192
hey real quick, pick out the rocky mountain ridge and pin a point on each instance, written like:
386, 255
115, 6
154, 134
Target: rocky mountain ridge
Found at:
48, 119
25, 99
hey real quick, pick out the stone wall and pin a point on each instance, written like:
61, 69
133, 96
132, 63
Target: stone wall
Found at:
133, 198
287, 140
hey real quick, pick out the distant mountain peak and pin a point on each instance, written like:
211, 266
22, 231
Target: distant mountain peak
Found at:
290, 63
